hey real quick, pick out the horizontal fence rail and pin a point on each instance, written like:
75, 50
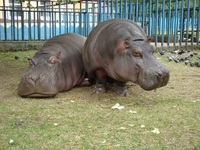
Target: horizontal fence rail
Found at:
166, 22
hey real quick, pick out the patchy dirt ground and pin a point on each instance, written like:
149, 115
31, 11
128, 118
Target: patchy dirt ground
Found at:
78, 119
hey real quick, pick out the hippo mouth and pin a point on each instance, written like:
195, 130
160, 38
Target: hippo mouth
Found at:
39, 95
154, 82
40, 89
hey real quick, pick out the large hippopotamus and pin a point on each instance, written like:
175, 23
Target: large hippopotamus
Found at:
118, 51
56, 67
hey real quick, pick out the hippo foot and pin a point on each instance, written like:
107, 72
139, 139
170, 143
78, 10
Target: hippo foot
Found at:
121, 90
85, 82
99, 88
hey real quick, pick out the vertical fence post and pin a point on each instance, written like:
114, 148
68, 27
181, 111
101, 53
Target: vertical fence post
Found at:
149, 23
198, 25
175, 22
108, 9
13, 21
125, 10
80, 19
29, 21
74, 18
52, 9
104, 11
193, 19
111, 13
156, 32
116, 8
99, 11
169, 24
22, 21
163, 22
130, 10
66, 21
38, 21
182, 22
45, 21
93, 14
59, 18
136, 11
87, 18
4, 20
120, 9
143, 13
187, 23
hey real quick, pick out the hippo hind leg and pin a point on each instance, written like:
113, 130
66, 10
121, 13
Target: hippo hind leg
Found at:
121, 88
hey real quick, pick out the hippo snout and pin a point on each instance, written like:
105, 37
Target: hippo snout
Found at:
163, 77
153, 79
37, 85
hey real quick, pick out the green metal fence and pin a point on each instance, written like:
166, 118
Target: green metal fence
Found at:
167, 22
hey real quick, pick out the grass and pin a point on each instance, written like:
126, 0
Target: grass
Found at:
78, 119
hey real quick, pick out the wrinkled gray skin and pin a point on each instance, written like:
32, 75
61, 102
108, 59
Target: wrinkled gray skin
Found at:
118, 50
56, 67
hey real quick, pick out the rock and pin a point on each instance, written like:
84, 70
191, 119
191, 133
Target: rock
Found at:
16, 57
186, 62
162, 53
177, 60
192, 64
170, 58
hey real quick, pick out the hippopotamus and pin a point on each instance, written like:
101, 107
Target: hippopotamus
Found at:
117, 51
55, 68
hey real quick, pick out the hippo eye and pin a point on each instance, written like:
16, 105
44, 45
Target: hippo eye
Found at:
137, 53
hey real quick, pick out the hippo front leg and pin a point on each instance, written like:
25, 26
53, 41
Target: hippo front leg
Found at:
100, 86
121, 88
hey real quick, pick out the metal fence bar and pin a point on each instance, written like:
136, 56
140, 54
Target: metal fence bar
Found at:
99, 11
169, 24
156, 30
143, 13
163, 22
130, 10
12, 22
187, 23
193, 19
175, 21
136, 11
29, 22
4, 20
198, 26
182, 22
150, 14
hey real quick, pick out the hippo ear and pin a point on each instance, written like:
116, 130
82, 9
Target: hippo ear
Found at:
126, 44
31, 62
58, 55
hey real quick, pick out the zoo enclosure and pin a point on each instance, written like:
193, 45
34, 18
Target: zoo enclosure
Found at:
175, 22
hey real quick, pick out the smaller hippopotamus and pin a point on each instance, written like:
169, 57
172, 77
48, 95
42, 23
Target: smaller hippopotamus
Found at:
56, 67
118, 51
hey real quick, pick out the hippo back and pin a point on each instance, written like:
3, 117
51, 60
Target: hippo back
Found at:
106, 34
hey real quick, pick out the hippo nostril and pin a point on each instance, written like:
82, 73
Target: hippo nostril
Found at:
29, 76
42, 75
160, 75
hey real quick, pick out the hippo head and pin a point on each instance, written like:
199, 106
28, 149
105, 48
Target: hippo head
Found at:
135, 62
42, 78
